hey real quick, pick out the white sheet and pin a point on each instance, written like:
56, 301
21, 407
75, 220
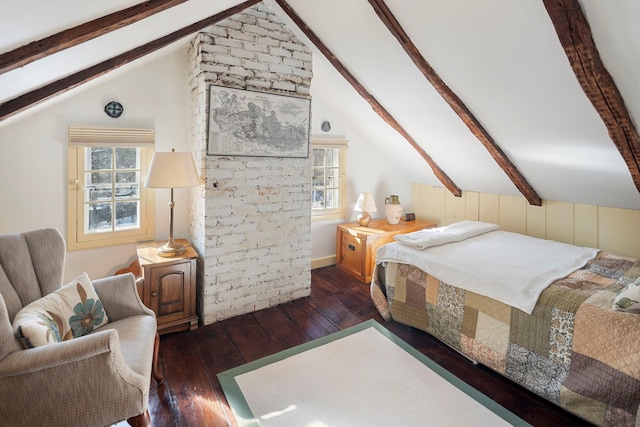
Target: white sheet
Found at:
455, 232
509, 267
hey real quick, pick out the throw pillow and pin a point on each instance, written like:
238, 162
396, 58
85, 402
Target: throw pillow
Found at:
72, 311
628, 299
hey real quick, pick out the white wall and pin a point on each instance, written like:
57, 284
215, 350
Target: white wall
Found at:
367, 171
33, 156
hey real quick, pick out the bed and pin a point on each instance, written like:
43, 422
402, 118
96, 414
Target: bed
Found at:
567, 329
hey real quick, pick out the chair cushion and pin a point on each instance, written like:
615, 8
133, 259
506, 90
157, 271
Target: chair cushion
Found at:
136, 335
72, 311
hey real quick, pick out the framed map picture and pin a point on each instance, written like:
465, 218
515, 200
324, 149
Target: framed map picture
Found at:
246, 123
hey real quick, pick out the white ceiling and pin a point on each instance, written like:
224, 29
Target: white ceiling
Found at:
501, 57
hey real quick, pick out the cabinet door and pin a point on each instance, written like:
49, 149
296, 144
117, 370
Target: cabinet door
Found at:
171, 291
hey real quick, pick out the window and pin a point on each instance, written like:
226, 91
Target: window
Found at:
107, 203
328, 178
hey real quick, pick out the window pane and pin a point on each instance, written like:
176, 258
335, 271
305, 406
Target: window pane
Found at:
317, 199
100, 158
127, 185
318, 178
97, 217
127, 214
333, 158
333, 178
318, 157
127, 191
333, 199
98, 178
126, 177
97, 193
127, 158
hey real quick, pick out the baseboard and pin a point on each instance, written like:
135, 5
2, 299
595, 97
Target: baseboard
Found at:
323, 262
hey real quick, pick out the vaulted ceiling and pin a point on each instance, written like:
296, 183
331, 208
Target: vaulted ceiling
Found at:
535, 98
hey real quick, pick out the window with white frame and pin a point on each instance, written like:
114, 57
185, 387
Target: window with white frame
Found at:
329, 159
107, 202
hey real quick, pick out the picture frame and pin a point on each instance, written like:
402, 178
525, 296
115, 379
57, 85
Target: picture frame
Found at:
248, 123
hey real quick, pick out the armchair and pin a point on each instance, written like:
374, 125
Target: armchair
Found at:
95, 380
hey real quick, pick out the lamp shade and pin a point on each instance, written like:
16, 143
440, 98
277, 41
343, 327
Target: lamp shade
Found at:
365, 203
172, 170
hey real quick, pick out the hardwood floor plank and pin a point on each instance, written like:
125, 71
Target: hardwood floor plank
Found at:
250, 338
307, 318
359, 303
322, 286
217, 349
282, 330
335, 312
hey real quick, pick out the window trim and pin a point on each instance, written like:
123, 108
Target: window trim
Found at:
342, 145
81, 138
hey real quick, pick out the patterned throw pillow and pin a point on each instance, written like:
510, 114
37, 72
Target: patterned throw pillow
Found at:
72, 311
628, 299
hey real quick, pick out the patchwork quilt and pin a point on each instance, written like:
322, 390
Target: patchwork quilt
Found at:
573, 350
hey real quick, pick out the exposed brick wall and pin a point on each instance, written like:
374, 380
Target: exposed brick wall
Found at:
251, 224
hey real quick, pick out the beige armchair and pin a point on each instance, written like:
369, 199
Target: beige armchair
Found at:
94, 380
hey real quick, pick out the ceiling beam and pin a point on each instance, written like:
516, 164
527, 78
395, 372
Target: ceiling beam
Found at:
74, 36
377, 107
456, 103
65, 84
575, 36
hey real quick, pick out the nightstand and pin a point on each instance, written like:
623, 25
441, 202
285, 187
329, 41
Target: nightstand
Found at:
169, 286
356, 245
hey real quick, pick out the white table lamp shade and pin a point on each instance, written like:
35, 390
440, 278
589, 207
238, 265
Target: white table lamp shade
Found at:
172, 170
365, 203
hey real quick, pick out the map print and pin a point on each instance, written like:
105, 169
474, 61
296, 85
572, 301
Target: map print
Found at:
245, 123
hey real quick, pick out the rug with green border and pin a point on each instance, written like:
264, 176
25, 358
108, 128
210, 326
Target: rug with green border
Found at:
360, 376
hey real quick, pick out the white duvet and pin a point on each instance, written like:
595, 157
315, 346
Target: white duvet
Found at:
509, 267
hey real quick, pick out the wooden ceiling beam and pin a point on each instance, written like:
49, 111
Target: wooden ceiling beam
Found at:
575, 36
377, 107
454, 101
65, 84
74, 36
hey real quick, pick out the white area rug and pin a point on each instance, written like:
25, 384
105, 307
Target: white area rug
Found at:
362, 376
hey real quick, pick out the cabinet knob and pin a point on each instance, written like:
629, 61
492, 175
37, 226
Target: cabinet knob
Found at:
154, 293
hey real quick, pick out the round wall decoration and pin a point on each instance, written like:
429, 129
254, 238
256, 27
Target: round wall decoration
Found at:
325, 126
113, 109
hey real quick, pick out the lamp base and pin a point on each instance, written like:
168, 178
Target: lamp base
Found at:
364, 219
170, 249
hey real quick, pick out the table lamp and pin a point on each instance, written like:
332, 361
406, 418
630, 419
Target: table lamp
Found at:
171, 170
365, 204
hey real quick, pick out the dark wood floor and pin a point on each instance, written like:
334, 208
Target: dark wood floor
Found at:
192, 395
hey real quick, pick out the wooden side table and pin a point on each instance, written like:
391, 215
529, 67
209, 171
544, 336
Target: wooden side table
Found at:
356, 245
169, 286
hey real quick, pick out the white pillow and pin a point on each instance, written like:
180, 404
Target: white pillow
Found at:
628, 299
72, 311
